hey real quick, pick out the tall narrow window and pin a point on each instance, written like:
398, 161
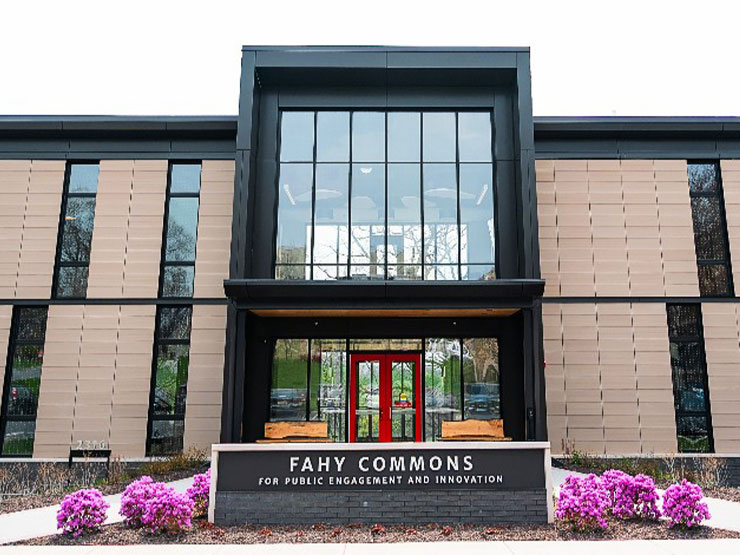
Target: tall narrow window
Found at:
22, 380
690, 383
75, 231
169, 380
178, 253
710, 230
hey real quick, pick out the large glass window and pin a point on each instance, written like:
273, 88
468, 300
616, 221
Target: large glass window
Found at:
178, 255
690, 382
710, 230
460, 380
169, 380
75, 231
22, 381
385, 195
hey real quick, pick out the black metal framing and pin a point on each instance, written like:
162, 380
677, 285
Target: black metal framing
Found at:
158, 341
386, 164
66, 195
15, 342
699, 338
164, 263
718, 193
420, 410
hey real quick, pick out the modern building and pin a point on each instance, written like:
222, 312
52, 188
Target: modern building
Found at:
384, 239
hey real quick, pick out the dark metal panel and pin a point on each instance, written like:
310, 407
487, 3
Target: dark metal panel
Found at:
335, 97
319, 59
131, 145
507, 237
441, 97
503, 131
56, 146
203, 146
641, 148
441, 59
247, 88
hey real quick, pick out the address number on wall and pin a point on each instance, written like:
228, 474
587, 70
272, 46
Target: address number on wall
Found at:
91, 445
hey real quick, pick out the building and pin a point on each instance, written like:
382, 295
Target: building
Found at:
385, 233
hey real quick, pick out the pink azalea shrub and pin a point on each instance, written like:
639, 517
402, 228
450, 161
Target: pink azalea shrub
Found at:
631, 496
200, 491
81, 512
583, 502
683, 505
134, 499
167, 511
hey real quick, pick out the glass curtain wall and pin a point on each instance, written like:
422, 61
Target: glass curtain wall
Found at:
310, 380
385, 195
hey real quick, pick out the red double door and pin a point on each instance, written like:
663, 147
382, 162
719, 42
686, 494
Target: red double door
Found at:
385, 397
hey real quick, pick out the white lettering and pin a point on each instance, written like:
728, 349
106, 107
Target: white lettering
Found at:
307, 466
379, 464
468, 462
453, 462
293, 463
435, 463
417, 464
323, 464
339, 461
364, 466
398, 464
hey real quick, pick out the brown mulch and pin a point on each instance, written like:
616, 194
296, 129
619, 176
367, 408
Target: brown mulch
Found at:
24, 503
205, 533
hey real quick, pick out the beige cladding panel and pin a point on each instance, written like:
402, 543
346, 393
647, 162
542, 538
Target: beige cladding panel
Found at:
722, 343
616, 228
214, 228
730, 171
95, 378
205, 376
39, 230
15, 176
127, 238
608, 378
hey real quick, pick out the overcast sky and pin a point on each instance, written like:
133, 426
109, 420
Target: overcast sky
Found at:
182, 58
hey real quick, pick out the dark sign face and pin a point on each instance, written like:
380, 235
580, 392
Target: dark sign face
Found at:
397, 469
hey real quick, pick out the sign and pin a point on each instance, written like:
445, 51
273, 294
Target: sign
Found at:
392, 469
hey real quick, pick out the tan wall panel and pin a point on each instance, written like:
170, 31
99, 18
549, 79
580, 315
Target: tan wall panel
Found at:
616, 228
608, 378
15, 176
722, 343
730, 171
95, 378
141, 273
205, 376
214, 228
40, 229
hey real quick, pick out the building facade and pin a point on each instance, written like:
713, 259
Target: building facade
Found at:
383, 239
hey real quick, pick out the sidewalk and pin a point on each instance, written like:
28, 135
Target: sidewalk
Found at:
725, 514
633, 547
36, 523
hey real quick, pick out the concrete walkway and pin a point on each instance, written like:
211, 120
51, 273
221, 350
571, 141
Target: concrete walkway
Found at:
35, 523
725, 514
633, 547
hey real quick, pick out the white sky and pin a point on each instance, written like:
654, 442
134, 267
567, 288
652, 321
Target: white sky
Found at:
159, 57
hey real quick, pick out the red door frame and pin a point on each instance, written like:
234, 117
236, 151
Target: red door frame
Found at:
384, 395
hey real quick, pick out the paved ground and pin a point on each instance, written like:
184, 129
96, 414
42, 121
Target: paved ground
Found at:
35, 523
634, 547
725, 514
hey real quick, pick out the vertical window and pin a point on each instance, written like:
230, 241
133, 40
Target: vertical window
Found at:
181, 216
75, 231
327, 387
481, 378
169, 380
690, 382
710, 230
288, 399
442, 388
385, 195
22, 380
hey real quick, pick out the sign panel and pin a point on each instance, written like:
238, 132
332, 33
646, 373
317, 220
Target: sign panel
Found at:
392, 469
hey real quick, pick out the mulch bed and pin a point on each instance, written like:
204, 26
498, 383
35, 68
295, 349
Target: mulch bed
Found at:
23, 503
205, 533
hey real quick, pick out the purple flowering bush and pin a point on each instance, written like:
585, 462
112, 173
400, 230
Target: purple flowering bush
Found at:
683, 505
167, 511
583, 502
81, 512
200, 491
134, 499
631, 496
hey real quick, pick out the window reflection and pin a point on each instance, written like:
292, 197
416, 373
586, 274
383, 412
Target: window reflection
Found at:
481, 378
349, 215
